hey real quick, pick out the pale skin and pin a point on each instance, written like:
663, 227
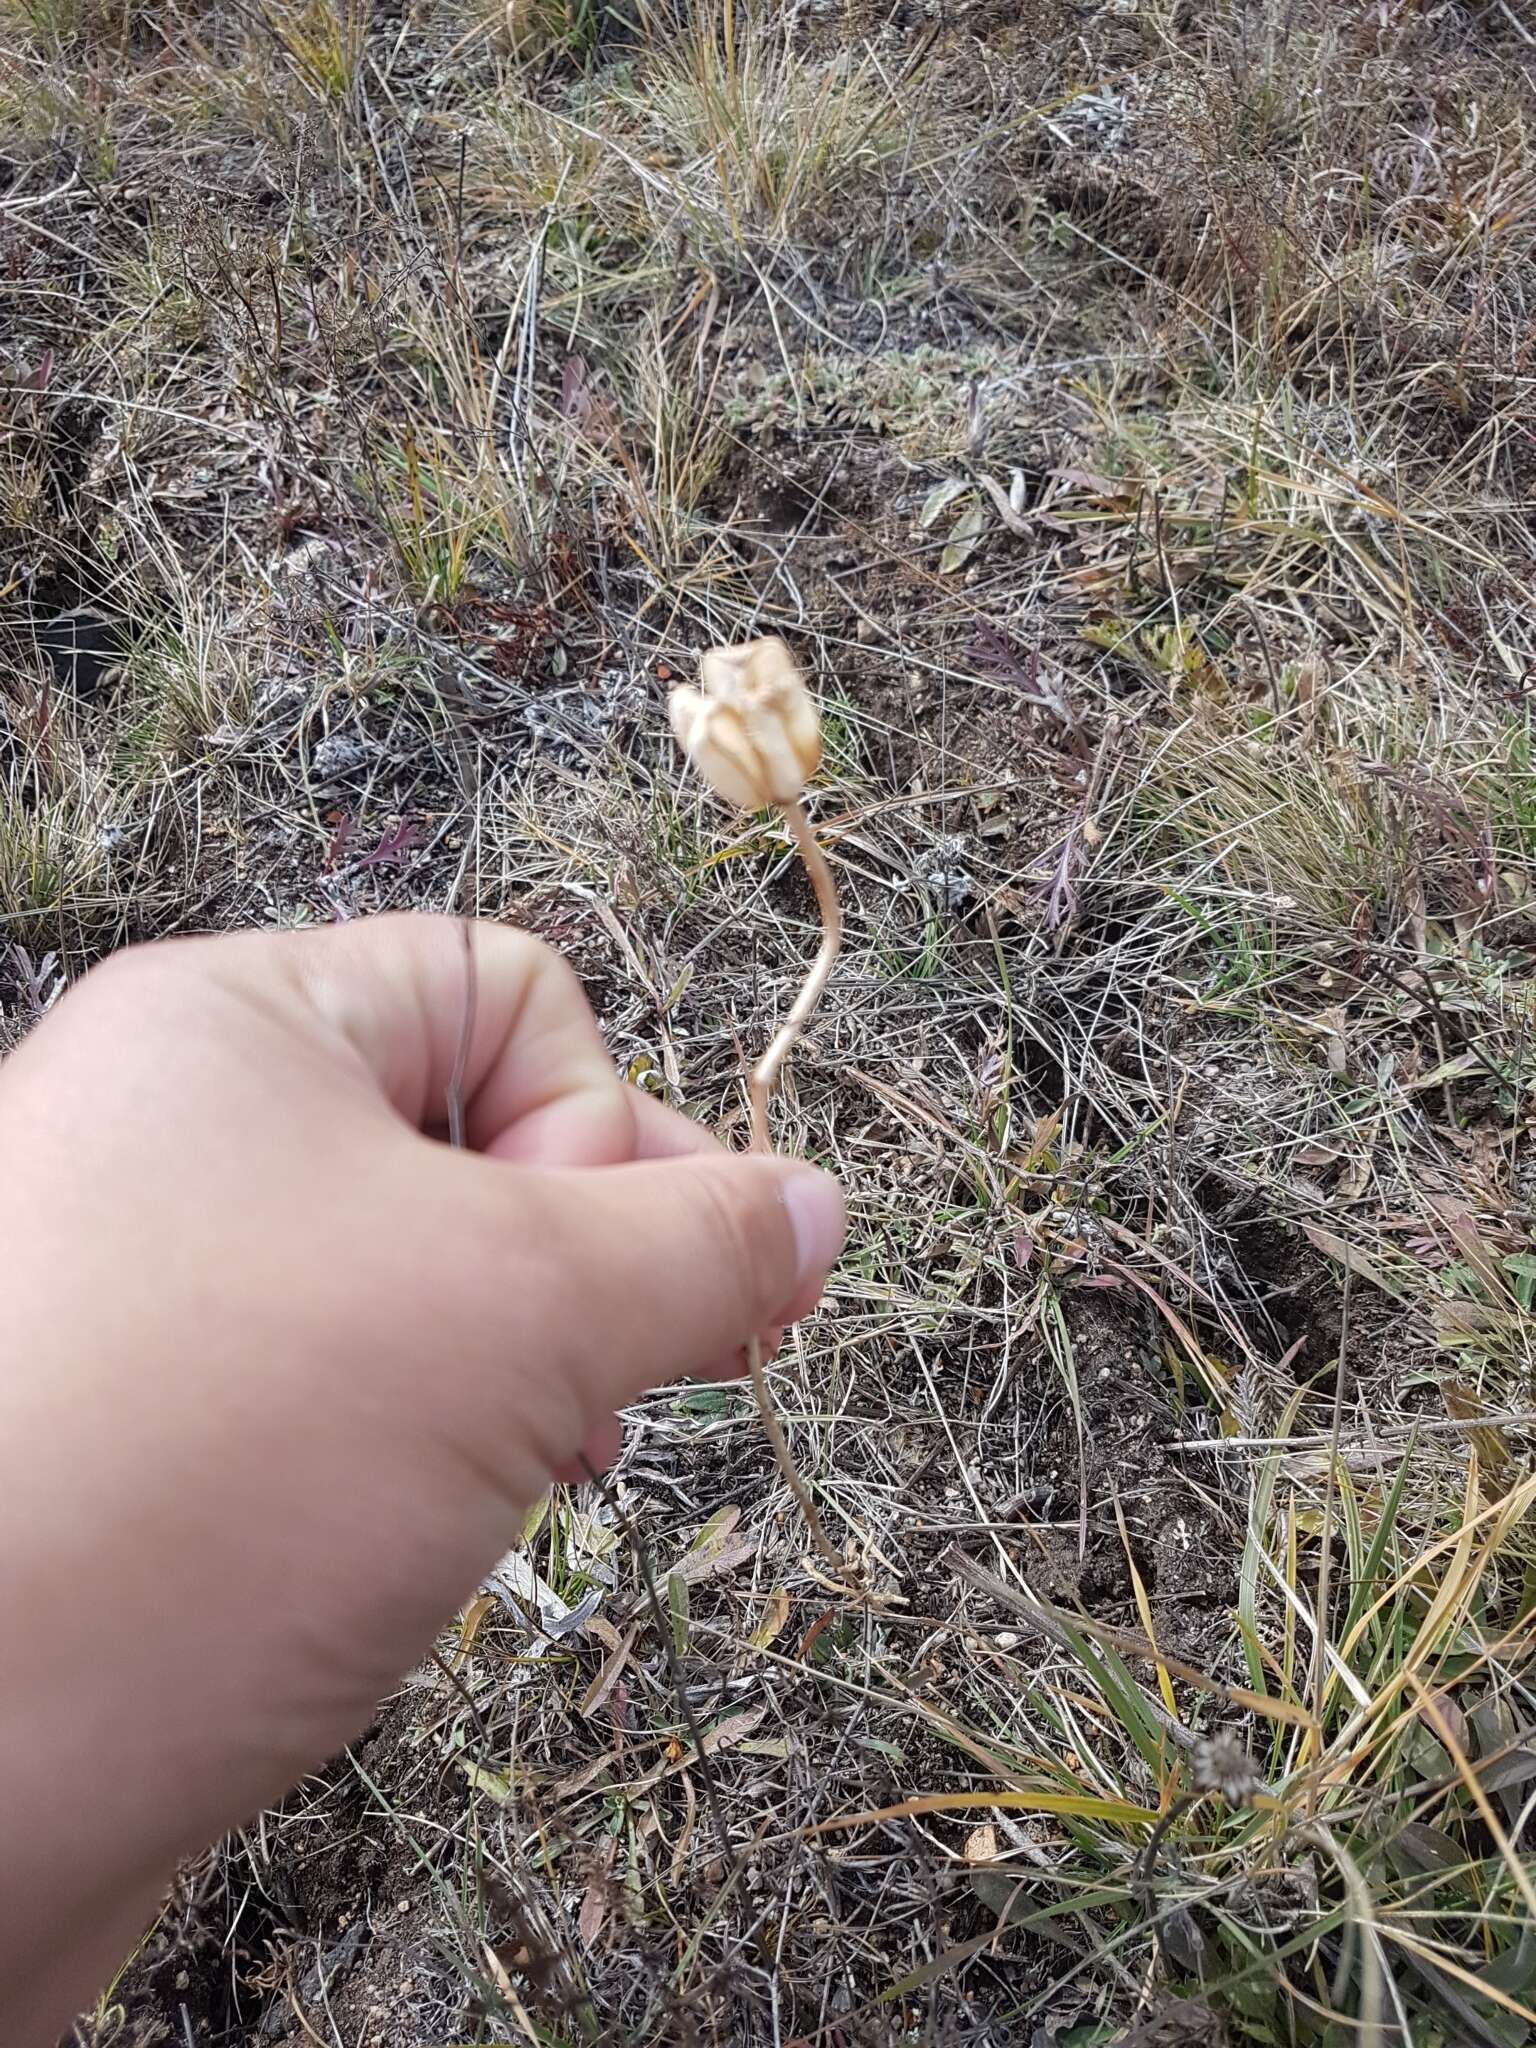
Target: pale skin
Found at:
281, 1373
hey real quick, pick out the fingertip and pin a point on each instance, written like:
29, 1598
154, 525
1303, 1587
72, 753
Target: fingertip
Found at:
667, 1265
818, 1221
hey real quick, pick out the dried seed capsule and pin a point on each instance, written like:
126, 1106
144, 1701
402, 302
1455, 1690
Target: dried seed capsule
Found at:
751, 729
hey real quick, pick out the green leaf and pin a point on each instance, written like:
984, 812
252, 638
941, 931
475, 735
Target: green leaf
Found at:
494, 1784
717, 1528
1515, 1970
1521, 1268
1418, 1847
677, 1608
705, 1401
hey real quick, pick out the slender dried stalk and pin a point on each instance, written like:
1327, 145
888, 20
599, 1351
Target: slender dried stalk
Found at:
759, 1088
766, 1072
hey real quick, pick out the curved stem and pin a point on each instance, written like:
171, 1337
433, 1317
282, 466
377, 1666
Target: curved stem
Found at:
766, 1072
759, 1088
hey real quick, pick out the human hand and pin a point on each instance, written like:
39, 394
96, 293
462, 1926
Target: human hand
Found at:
279, 1375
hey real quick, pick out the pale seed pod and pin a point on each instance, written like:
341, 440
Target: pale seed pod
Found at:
751, 729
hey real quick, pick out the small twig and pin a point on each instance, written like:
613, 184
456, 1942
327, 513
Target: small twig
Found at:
1381, 1440
1325, 1543
15, 205
1269, 660
1144, 1882
464, 1694
298, 2010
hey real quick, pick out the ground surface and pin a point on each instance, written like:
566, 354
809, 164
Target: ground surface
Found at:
1124, 409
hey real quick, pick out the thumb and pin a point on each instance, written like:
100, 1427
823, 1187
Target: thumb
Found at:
674, 1264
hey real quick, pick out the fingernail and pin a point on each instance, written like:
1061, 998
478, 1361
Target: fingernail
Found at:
815, 1205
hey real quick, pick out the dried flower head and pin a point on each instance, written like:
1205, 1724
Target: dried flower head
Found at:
1221, 1765
751, 729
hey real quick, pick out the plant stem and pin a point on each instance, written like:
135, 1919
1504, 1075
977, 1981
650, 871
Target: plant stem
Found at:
766, 1072
759, 1088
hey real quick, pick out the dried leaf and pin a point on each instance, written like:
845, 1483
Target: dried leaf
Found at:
1456, 1318
594, 1910
963, 538
775, 1617
1363, 1267
727, 1733
469, 1627
534, 1601
1461, 1226
1092, 480
812, 1635
594, 1903
575, 390
392, 848
685, 1832
694, 1566
716, 1529
597, 1692
939, 499
604, 1631
1463, 1403
1012, 515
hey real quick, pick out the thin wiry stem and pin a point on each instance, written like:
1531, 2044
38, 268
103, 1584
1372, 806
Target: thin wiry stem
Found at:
759, 1088
766, 1072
